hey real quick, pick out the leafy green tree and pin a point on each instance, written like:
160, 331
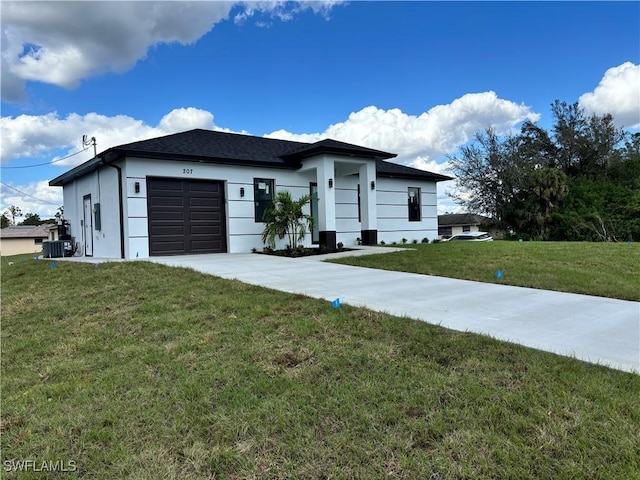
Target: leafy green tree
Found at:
4, 221
547, 187
32, 219
14, 212
585, 144
286, 219
575, 182
491, 176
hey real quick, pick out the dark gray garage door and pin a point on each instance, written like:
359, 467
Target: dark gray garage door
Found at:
185, 216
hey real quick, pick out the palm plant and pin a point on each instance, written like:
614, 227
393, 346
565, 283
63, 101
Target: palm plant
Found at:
286, 219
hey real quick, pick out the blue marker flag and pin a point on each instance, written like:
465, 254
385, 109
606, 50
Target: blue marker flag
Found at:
53, 264
499, 274
336, 303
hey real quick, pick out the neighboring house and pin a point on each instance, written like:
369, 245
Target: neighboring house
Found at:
202, 191
25, 239
454, 223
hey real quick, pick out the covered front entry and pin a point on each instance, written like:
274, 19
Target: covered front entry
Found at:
186, 216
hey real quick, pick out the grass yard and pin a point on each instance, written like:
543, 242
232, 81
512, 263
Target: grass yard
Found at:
601, 269
137, 370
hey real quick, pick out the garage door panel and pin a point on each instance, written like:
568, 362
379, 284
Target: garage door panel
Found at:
167, 230
208, 216
204, 247
167, 202
204, 202
168, 216
204, 230
185, 216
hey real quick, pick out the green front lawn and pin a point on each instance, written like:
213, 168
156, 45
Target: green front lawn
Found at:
137, 370
602, 269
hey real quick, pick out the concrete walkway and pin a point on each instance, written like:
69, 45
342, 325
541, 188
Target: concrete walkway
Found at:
593, 329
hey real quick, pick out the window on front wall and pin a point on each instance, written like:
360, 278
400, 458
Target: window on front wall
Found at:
445, 231
38, 241
414, 204
262, 196
466, 228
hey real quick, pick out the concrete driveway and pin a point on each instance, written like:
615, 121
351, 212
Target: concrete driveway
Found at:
594, 329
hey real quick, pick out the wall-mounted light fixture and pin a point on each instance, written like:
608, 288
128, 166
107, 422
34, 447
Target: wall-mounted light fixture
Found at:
331, 183
136, 187
241, 191
373, 185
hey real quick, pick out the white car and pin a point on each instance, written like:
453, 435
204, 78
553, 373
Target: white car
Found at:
472, 237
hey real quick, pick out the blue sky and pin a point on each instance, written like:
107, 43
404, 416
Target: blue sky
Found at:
414, 78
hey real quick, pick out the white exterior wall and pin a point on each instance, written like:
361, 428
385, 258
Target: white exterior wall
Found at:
243, 232
393, 212
102, 185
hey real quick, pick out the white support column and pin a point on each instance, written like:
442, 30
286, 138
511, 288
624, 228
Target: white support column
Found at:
368, 211
326, 201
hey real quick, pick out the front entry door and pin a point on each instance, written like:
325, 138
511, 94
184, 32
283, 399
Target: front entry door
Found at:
315, 235
88, 226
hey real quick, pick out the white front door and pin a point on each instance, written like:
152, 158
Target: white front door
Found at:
88, 226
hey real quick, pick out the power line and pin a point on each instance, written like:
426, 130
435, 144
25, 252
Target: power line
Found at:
48, 163
31, 196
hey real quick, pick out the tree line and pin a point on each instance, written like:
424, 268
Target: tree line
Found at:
580, 181
11, 215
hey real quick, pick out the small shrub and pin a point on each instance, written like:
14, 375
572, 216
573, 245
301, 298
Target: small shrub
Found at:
267, 250
254, 250
414, 241
425, 240
358, 241
382, 243
394, 243
340, 246
404, 241
436, 240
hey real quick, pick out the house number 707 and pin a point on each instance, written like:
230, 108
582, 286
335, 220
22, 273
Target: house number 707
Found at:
187, 171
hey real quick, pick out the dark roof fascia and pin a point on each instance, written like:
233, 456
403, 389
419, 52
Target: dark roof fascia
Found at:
436, 177
77, 172
395, 170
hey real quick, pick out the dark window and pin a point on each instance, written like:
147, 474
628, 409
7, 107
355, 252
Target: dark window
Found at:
445, 231
414, 204
38, 241
262, 196
466, 228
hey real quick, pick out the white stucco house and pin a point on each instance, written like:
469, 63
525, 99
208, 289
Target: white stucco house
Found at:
203, 191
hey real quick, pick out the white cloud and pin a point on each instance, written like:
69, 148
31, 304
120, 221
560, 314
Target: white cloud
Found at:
283, 10
618, 93
40, 198
28, 136
426, 137
62, 43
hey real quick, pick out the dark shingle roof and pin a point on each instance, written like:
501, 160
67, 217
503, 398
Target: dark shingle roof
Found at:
26, 231
388, 169
456, 219
233, 148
